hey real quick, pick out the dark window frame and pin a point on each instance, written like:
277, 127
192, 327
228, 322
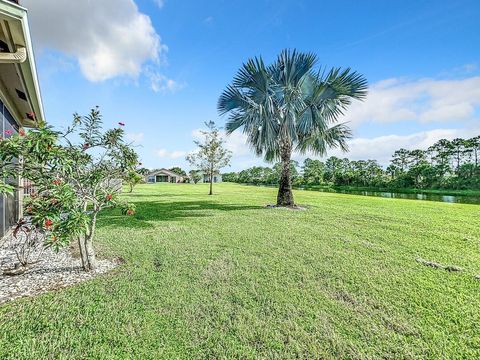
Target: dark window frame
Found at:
9, 204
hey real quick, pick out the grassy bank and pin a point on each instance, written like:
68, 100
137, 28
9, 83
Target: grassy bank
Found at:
398, 190
223, 277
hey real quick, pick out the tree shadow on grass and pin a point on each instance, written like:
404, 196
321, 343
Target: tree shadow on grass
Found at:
149, 212
151, 196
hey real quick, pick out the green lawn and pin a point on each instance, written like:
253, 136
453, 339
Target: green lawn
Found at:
223, 277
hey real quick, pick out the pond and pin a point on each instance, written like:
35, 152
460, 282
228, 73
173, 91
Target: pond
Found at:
462, 199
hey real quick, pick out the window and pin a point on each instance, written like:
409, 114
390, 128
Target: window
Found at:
162, 178
8, 203
151, 179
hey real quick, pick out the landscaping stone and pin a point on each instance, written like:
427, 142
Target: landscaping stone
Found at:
52, 271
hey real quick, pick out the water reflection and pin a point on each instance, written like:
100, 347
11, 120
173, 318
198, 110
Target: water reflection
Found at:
463, 199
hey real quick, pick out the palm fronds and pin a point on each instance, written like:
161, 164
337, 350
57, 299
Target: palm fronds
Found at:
291, 102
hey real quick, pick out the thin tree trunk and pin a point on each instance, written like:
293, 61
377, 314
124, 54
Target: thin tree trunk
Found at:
211, 182
92, 261
87, 251
285, 195
83, 252
81, 246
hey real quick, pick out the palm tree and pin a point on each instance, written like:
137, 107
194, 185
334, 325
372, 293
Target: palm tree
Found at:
289, 106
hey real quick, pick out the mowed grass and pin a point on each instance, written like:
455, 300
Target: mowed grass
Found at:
224, 277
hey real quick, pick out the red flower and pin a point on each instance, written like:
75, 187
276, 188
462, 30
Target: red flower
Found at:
8, 132
48, 223
109, 197
86, 146
54, 238
21, 132
57, 182
121, 124
130, 212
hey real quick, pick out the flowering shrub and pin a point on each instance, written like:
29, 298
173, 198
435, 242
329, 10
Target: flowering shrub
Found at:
129, 209
132, 179
76, 172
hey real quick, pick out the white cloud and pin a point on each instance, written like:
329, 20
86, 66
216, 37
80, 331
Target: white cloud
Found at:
378, 148
176, 154
469, 67
381, 148
393, 100
424, 100
235, 142
208, 20
242, 155
159, 3
109, 38
160, 83
447, 112
136, 138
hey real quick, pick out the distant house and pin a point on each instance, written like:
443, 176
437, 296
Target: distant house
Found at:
217, 177
163, 175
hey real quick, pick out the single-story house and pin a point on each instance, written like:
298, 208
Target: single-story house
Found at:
204, 178
163, 175
20, 100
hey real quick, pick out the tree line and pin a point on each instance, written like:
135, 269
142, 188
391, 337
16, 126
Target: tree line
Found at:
446, 164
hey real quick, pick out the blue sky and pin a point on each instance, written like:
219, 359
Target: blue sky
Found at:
159, 66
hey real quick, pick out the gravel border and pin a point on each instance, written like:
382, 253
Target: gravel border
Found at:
53, 271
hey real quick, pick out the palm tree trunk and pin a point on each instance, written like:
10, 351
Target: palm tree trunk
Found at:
285, 195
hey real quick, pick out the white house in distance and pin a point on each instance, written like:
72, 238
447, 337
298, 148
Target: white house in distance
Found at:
163, 175
217, 177
20, 101
167, 176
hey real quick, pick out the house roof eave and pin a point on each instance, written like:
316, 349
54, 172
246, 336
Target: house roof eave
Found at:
164, 171
12, 13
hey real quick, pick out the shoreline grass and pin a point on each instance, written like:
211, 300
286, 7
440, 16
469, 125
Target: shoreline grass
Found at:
474, 193
334, 188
